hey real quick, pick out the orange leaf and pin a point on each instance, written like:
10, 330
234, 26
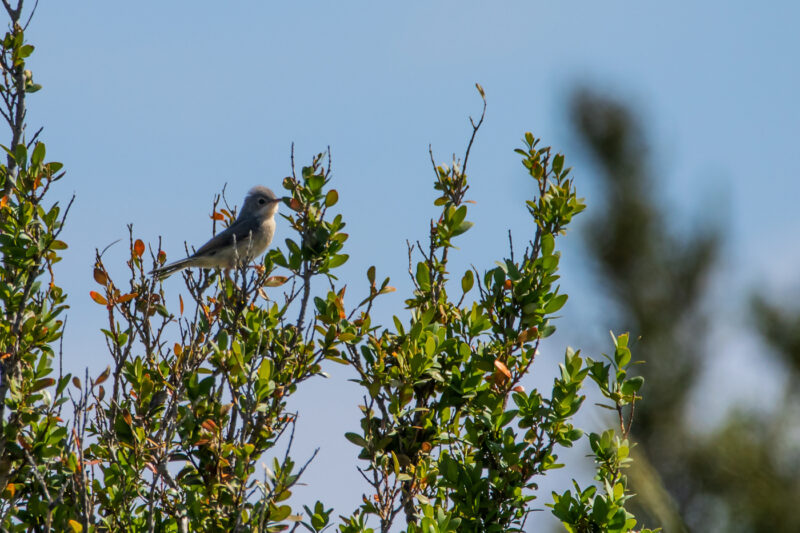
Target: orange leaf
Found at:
210, 425
217, 216
127, 297
275, 281
104, 376
76, 382
295, 204
97, 298
498, 364
138, 247
507, 284
180, 299
178, 349
162, 257
519, 388
100, 276
3, 201
426, 447
128, 418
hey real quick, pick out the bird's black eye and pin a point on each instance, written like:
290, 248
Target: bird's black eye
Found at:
262, 201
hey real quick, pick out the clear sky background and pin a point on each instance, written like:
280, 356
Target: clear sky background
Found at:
152, 107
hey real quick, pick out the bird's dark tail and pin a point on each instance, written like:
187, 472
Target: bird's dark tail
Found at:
167, 270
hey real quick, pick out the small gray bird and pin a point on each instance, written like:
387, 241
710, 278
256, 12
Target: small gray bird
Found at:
245, 239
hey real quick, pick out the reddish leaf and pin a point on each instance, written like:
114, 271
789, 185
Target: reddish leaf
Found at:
138, 247
507, 285
180, 299
162, 257
210, 425
76, 382
217, 216
43, 384
97, 298
295, 204
104, 376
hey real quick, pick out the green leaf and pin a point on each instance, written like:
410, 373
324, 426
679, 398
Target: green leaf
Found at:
547, 244
558, 163
338, 260
423, 276
331, 198
38, 154
356, 439
632, 385
462, 228
555, 303
265, 370
467, 281
315, 182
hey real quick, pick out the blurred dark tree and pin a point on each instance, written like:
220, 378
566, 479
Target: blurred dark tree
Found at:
744, 475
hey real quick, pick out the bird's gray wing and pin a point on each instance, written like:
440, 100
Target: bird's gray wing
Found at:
240, 230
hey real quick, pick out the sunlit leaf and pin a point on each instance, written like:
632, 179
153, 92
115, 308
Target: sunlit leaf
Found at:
138, 247
98, 298
127, 297
499, 365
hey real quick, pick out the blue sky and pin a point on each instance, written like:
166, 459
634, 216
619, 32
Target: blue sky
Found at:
152, 109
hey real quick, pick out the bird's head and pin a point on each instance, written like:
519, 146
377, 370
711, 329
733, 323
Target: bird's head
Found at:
260, 202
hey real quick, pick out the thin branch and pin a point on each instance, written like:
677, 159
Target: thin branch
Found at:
25, 27
475, 128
